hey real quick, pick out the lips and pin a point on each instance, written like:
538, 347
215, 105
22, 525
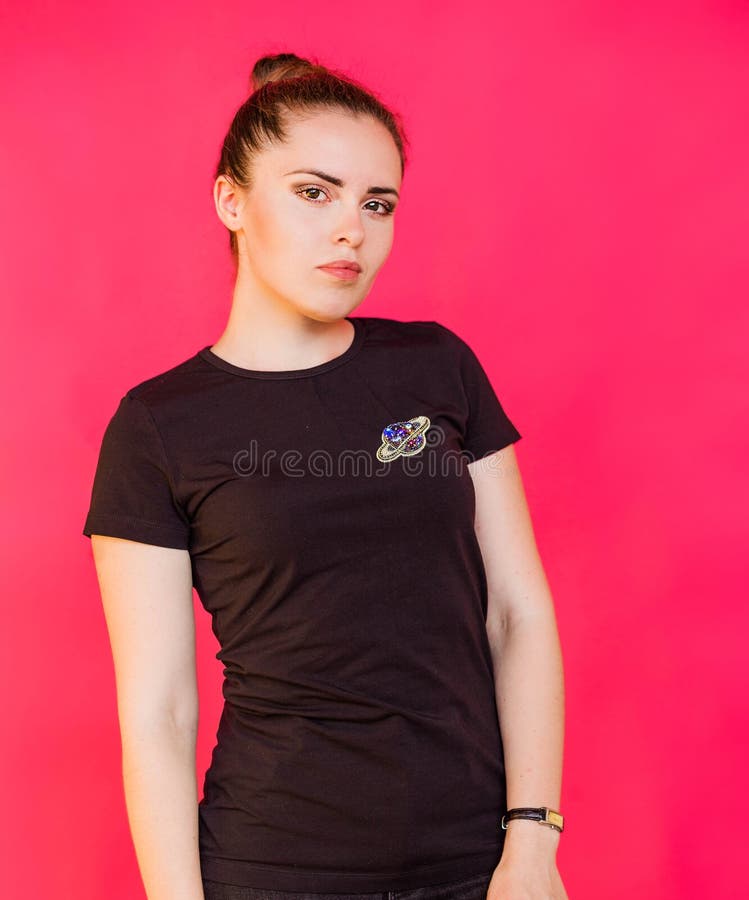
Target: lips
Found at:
342, 264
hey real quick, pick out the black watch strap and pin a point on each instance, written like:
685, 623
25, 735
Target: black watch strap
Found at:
541, 814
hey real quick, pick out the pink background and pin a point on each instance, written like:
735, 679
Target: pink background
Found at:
576, 207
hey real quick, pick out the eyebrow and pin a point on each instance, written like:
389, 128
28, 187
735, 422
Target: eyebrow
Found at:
339, 182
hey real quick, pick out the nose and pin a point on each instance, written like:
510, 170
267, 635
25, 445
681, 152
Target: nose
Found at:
348, 226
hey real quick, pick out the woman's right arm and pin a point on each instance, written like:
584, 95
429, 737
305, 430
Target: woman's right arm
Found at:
146, 592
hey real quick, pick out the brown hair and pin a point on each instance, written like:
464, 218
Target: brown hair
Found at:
285, 83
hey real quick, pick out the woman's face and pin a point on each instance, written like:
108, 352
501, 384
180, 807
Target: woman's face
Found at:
292, 221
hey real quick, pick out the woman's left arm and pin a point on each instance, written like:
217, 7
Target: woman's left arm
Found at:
528, 676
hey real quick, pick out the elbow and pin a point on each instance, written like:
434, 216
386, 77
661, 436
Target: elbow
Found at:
160, 720
509, 614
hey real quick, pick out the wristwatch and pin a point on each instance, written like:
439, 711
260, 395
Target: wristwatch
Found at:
542, 814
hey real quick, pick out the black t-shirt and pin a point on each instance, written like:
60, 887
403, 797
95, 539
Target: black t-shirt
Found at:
329, 516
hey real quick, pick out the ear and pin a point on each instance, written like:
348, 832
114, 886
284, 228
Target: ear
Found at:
228, 200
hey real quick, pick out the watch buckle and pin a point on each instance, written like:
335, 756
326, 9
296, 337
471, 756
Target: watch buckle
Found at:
552, 818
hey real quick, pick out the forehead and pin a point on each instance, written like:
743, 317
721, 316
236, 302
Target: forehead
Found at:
354, 148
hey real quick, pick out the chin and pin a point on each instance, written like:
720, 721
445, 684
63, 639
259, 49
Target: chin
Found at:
330, 312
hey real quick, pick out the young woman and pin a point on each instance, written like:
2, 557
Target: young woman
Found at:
343, 494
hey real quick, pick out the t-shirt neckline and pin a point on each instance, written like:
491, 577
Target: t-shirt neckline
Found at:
359, 332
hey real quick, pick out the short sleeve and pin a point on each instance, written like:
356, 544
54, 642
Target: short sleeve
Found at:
133, 491
488, 427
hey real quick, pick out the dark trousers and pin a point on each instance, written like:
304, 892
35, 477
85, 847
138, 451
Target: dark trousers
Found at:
473, 888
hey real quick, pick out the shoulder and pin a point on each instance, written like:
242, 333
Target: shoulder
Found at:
414, 332
170, 387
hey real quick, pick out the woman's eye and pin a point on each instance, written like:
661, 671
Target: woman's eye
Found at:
388, 207
307, 191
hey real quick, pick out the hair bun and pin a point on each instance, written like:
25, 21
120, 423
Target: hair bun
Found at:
281, 65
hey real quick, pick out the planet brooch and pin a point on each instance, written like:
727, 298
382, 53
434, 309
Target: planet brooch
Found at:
403, 439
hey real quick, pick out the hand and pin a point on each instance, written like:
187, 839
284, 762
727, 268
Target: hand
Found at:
526, 878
